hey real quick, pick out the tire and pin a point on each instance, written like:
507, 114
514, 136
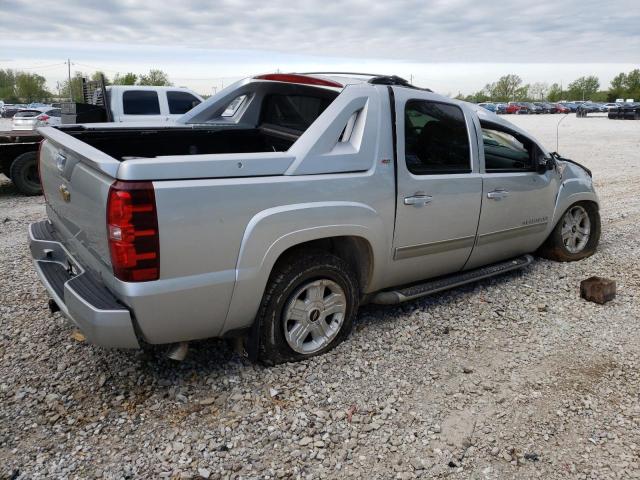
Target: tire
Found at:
303, 279
24, 174
556, 248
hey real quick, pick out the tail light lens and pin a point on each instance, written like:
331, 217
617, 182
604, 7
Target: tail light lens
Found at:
132, 227
43, 117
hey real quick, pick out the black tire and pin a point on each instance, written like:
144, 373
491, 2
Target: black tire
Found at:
24, 174
554, 247
287, 278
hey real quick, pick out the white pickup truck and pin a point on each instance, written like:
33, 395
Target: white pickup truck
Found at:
150, 104
275, 208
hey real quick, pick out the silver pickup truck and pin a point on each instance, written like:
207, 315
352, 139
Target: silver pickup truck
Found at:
274, 209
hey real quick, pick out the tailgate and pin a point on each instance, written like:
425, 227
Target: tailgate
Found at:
76, 178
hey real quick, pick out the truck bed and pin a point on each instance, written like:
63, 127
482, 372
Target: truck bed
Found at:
127, 143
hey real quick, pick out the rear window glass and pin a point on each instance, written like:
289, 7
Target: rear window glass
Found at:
295, 112
436, 138
28, 113
140, 102
181, 102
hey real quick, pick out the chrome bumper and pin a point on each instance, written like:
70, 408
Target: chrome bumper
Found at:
80, 296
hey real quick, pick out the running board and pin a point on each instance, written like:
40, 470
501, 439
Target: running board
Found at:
392, 297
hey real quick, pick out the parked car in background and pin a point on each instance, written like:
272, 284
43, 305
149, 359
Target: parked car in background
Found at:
488, 106
9, 110
609, 106
512, 107
31, 119
501, 108
532, 108
570, 105
546, 107
317, 200
562, 108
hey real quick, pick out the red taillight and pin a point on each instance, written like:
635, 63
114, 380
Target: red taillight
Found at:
43, 118
132, 228
297, 78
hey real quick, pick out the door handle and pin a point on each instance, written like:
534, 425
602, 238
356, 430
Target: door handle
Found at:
417, 200
498, 194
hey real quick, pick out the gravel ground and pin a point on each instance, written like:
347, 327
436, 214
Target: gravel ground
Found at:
515, 377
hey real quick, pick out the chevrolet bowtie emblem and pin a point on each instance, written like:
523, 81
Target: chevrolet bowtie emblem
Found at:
64, 193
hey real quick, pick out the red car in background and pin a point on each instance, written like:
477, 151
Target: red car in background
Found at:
560, 108
513, 107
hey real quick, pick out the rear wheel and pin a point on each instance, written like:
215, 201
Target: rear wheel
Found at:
308, 308
24, 174
576, 235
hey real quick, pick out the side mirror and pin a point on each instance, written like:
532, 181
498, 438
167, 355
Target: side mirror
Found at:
545, 163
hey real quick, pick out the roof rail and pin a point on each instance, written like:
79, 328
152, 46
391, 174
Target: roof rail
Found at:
343, 73
394, 80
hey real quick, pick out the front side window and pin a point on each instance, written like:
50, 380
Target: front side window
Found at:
140, 102
504, 152
436, 139
181, 102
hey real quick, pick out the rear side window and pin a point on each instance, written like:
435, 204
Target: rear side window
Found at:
295, 112
140, 102
504, 152
436, 139
181, 102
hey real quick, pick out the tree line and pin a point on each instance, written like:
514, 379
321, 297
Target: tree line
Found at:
18, 86
512, 88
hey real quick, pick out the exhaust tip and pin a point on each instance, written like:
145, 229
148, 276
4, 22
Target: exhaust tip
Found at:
178, 351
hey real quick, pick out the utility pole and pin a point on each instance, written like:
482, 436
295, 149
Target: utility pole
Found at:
69, 72
411, 78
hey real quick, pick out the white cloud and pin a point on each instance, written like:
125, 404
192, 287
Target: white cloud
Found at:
424, 31
448, 45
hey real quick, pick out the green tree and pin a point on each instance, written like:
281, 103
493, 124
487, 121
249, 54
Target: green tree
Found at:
583, 88
31, 87
77, 94
154, 77
126, 79
554, 94
8, 86
506, 87
632, 84
96, 77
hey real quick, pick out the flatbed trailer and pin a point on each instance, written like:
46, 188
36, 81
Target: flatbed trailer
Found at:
18, 159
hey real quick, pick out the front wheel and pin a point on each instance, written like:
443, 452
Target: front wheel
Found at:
576, 235
307, 309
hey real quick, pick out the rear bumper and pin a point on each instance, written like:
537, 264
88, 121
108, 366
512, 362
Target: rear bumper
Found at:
81, 297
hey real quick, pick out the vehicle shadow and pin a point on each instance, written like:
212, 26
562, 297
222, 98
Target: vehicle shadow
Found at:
6, 187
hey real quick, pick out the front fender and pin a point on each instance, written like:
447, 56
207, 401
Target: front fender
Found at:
576, 187
275, 230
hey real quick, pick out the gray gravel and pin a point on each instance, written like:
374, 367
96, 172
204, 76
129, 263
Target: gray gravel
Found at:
516, 377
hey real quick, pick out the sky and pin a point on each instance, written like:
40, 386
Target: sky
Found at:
450, 46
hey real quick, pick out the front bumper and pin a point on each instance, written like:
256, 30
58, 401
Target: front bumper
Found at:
80, 295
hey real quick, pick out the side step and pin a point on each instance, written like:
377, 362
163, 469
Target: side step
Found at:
392, 297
